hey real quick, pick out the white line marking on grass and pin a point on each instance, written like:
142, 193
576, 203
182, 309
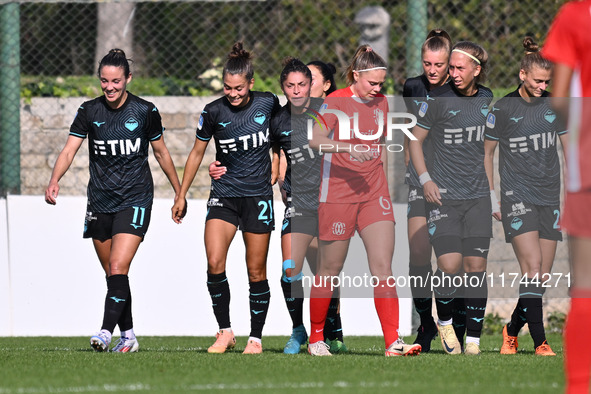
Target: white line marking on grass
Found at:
197, 387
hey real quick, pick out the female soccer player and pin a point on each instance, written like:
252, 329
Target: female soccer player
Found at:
456, 188
302, 177
302, 180
435, 57
323, 82
354, 196
242, 198
298, 83
567, 46
525, 127
119, 127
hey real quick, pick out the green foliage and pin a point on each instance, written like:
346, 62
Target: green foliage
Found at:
493, 324
556, 322
89, 86
57, 39
59, 87
177, 42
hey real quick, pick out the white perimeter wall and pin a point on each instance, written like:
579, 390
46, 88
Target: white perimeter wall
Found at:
51, 282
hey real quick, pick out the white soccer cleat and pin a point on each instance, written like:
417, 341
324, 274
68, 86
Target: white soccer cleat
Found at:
319, 348
399, 348
100, 341
126, 345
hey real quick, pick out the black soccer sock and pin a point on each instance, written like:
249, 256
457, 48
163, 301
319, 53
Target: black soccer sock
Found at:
420, 280
476, 297
115, 301
219, 290
459, 317
531, 299
518, 319
444, 293
293, 292
126, 320
259, 305
333, 330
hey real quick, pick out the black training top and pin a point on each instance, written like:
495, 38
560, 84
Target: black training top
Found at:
456, 124
302, 176
118, 141
528, 160
242, 144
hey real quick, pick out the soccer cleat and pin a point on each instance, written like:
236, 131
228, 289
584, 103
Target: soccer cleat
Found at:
319, 348
425, 336
224, 340
100, 341
509, 343
126, 345
399, 348
544, 350
449, 341
336, 346
253, 347
297, 339
472, 349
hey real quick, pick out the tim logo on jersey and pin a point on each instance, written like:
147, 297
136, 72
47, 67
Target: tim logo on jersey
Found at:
461, 135
116, 147
245, 142
300, 154
533, 142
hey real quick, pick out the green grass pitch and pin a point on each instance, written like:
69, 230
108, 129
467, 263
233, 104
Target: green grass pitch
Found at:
181, 364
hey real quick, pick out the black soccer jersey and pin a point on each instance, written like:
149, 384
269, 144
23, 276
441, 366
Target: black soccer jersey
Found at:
456, 125
415, 93
118, 141
528, 160
302, 176
242, 144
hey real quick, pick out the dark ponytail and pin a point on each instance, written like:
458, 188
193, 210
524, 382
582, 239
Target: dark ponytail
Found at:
116, 57
239, 62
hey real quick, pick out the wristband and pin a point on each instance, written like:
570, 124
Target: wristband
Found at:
424, 178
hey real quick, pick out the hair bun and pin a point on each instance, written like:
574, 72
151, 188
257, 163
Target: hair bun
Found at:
288, 60
530, 45
238, 51
117, 51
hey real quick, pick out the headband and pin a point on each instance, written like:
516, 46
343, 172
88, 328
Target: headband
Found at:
467, 54
370, 69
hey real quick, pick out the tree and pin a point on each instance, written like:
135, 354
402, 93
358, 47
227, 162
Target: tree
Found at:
114, 28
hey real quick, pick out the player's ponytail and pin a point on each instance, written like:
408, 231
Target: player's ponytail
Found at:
239, 62
116, 57
437, 40
477, 54
365, 59
533, 57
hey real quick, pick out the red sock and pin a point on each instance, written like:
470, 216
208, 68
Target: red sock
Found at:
386, 302
577, 356
319, 302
